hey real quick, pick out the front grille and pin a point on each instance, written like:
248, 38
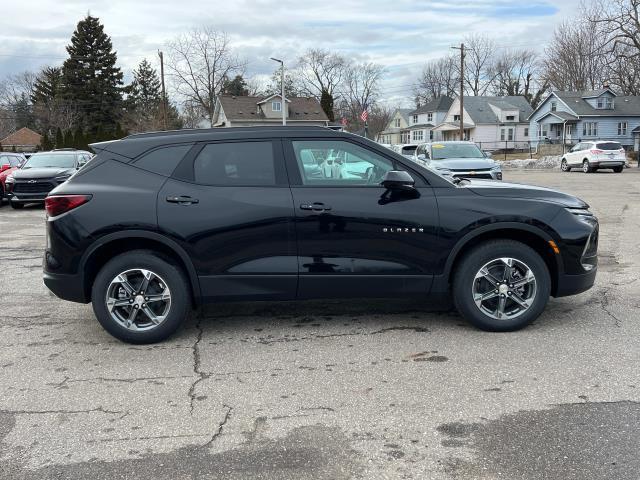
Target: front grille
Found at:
36, 187
477, 175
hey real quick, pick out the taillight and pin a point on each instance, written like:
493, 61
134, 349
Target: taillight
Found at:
595, 151
59, 204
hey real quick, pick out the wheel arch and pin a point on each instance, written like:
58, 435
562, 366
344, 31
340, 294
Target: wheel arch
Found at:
120, 242
530, 235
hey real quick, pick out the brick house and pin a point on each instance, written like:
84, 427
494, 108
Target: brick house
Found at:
23, 140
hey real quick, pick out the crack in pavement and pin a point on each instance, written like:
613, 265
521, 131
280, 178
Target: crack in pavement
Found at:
221, 425
44, 412
195, 349
604, 304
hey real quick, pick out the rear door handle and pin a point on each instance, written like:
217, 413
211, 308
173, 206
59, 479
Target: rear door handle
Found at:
182, 199
315, 207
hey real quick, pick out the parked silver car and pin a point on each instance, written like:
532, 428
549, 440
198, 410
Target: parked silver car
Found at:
457, 159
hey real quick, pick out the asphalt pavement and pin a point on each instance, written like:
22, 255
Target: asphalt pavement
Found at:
329, 390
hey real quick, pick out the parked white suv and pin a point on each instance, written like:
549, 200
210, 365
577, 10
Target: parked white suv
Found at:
594, 155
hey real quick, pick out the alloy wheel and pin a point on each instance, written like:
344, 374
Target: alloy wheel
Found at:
585, 166
138, 299
504, 288
564, 166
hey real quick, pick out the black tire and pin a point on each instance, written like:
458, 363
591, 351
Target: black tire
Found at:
618, 169
586, 167
172, 275
17, 206
564, 166
474, 260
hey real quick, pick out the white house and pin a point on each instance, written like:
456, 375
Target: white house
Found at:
491, 122
397, 131
238, 111
423, 120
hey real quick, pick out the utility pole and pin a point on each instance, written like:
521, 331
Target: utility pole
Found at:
284, 100
461, 48
164, 95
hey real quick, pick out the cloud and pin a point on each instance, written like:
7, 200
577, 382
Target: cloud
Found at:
401, 35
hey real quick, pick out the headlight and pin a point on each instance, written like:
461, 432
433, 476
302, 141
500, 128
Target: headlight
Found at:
496, 168
62, 178
9, 179
584, 215
443, 171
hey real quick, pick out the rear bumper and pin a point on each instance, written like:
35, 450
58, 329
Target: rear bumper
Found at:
574, 284
66, 287
608, 163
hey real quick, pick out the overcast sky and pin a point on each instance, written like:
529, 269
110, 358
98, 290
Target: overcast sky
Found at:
399, 34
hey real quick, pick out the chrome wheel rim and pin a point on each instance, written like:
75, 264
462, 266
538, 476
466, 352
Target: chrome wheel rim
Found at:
585, 167
138, 299
504, 288
564, 165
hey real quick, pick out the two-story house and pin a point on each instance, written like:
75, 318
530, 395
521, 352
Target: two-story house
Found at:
396, 132
492, 122
423, 119
239, 111
569, 117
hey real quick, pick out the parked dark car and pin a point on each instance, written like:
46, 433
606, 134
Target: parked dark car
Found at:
159, 223
41, 173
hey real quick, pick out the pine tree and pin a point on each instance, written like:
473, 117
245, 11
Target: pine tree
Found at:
67, 141
144, 102
119, 133
47, 85
91, 80
237, 87
59, 138
45, 142
326, 102
78, 139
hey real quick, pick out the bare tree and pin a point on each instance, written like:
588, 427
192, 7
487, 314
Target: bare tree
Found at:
198, 63
439, 77
379, 118
575, 60
479, 74
320, 71
360, 90
517, 72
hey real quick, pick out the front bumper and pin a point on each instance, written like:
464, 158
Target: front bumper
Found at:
27, 197
480, 174
574, 284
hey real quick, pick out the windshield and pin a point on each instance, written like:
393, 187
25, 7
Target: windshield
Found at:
441, 151
58, 160
609, 146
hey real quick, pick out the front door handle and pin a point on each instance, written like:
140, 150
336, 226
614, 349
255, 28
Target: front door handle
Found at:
315, 207
182, 199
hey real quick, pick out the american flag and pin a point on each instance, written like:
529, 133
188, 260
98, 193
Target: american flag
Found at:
364, 116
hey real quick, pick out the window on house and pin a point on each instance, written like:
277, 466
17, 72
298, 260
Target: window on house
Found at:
397, 123
456, 118
417, 135
622, 128
502, 134
430, 134
526, 131
604, 103
511, 118
554, 106
590, 129
276, 106
415, 119
429, 117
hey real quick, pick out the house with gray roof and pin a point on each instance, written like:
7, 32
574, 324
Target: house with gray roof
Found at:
396, 131
422, 120
491, 122
250, 111
569, 117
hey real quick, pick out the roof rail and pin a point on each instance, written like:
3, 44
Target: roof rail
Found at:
221, 130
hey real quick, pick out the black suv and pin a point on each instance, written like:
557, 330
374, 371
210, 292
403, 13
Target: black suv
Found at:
159, 223
41, 173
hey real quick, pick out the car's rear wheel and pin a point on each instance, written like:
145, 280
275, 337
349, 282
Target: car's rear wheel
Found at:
501, 286
141, 297
564, 166
618, 169
17, 206
586, 168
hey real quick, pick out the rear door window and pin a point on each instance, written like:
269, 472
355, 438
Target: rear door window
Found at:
236, 163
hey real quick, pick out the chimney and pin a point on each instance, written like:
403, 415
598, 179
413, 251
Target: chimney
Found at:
605, 84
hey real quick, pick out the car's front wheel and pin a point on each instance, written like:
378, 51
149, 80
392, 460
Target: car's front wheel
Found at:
17, 206
501, 285
564, 166
141, 297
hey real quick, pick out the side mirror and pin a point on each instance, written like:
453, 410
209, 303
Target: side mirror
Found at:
422, 157
398, 180
487, 154
4, 166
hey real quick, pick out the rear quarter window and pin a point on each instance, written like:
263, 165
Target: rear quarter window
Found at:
163, 160
236, 163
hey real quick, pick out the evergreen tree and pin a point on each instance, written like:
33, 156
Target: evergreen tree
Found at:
78, 140
145, 89
326, 102
237, 87
119, 133
45, 143
59, 139
91, 80
67, 139
47, 86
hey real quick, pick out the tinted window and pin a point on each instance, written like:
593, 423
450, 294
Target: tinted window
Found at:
163, 160
408, 150
335, 163
609, 146
248, 163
